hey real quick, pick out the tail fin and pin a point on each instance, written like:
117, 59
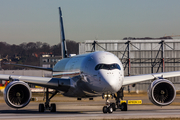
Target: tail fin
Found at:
63, 41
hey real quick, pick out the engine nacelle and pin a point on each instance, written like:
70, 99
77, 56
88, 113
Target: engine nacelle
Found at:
17, 94
161, 92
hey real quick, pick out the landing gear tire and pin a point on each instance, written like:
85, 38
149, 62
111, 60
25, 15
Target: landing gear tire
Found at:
47, 106
124, 107
105, 109
53, 107
41, 108
110, 109
113, 106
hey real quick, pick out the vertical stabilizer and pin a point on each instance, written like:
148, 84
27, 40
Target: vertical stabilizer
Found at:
63, 41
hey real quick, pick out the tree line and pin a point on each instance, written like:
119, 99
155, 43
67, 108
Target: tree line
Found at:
30, 53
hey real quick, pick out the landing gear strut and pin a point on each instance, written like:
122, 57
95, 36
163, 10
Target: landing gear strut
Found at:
120, 95
110, 107
46, 106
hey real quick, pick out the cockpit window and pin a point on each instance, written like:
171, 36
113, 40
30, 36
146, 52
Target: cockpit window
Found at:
107, 66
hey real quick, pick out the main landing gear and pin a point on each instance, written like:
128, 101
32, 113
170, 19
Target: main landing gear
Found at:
46, 106
110, 107
119, 104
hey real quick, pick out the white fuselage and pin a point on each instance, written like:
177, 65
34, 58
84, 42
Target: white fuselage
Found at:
99, 72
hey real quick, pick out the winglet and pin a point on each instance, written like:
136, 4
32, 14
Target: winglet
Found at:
63, 41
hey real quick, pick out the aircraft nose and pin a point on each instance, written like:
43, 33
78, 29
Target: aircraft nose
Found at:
112, 81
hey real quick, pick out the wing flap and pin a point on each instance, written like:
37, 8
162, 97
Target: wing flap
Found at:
141, 78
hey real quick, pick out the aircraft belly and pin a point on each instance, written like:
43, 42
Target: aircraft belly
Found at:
80, 90
79, 87
95, 83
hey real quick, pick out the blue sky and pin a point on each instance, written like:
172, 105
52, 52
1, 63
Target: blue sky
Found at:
38, 20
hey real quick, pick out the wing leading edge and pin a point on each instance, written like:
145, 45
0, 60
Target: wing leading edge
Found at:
30, 66
54, 83
141, 78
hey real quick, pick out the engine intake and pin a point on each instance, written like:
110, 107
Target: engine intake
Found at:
161, 92
17, 94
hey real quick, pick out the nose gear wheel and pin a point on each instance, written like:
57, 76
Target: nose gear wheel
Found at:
110, 107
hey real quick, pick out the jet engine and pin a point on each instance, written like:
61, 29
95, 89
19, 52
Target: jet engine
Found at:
17, 94
161, 92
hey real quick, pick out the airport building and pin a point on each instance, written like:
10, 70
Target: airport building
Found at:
141, 56
48, 61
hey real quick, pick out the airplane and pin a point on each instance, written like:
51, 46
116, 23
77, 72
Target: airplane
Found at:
88, 75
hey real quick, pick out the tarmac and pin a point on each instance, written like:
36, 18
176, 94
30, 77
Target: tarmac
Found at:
71, 109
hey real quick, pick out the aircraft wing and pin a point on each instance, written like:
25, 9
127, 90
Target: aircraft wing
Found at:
60, 83
141, 78
30, 66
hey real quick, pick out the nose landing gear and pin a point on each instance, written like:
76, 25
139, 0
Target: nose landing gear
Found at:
110, 107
